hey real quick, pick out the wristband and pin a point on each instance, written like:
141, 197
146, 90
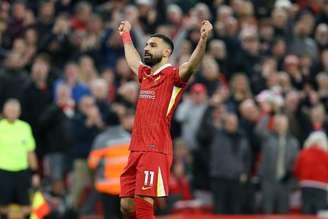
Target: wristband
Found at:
126, 37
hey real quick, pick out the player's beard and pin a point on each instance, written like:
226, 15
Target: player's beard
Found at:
152, 60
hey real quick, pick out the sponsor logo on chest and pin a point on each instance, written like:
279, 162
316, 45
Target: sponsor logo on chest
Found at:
147, 94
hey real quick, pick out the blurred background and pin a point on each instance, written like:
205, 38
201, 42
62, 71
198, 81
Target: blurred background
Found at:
249, 134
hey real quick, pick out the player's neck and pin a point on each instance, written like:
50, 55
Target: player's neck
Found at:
158, 65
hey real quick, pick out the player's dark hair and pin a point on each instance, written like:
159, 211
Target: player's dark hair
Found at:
166, 39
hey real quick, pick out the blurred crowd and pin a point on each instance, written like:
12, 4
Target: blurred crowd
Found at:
250, 130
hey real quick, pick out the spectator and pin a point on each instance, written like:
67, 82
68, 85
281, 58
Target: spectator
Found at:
278, 153
127, 94
210, 75
157, 12
13, 78
211, 120
37, 96
122, 71
90, 40
229, 166
250, 57
83, 12
99, 90
316, 120
278, 51
18, 142
111, 49
270, 102
217, 49
249, 117
311, 169
190, 112
16, 22
58, 42
88, 71
71, 78
86, 125
55, 123
279, 17
284, 83
31, 39
108, 157
20, 47
240, 91
302, 42
269, 74
109, 77
266, 34
321, 36
46, 19
292, 67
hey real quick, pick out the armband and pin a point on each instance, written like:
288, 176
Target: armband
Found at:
126, 37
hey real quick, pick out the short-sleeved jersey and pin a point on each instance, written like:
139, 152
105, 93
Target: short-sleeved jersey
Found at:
16, 140
158, 97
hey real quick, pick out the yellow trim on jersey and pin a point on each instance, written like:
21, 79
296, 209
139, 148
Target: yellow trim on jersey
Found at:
160, 191
175, 92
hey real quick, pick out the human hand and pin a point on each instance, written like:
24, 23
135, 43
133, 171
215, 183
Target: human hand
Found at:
205, 29
94, 117
124, 26
36, 181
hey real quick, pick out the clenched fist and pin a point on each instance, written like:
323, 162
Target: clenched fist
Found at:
205, 29
124, 26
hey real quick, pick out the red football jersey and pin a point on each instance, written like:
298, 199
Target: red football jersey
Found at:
158, 97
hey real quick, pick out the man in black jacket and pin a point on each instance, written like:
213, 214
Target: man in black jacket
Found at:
55, 124
229, 166
37, 97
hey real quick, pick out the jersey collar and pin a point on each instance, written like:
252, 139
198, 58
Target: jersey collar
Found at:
161, 68
158, 70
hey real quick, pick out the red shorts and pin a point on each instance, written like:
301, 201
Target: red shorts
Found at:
146, 174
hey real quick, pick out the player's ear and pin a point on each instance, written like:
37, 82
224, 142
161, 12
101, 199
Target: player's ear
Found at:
167, 52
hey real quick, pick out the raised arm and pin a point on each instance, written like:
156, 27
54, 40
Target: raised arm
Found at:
189, 67
131, 54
